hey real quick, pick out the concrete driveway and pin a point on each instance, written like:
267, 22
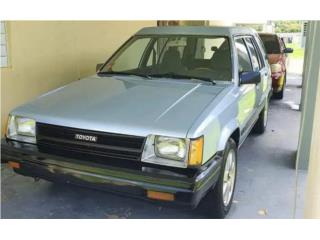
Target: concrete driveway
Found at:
266, 183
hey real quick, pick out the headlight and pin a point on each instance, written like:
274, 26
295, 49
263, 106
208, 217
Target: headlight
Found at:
176, 152
21, 129
171, 148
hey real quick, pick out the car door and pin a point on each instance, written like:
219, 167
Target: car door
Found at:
258, 66
247, 103
264, 69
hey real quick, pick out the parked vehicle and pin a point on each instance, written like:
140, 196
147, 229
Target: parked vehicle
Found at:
162, 120
277, 52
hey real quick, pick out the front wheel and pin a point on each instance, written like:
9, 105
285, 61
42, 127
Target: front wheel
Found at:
219, 200
278, 95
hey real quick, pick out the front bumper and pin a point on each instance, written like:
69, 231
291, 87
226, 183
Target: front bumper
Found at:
278, 81
187, 190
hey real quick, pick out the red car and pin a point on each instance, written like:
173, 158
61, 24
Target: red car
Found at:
277, 54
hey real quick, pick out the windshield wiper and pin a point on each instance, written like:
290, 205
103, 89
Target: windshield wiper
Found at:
180, 76
125, 73
159, 75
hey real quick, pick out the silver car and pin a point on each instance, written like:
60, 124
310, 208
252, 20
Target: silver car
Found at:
162, 119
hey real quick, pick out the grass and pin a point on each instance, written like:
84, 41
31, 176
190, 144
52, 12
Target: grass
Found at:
298, 52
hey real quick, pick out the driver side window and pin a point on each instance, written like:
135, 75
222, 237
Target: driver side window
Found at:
243, 56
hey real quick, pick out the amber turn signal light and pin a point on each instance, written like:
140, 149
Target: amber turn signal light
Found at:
160, 195
14, 164
196, 152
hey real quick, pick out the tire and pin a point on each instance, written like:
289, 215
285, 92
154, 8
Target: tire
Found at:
214, 203
279, 95
262, 121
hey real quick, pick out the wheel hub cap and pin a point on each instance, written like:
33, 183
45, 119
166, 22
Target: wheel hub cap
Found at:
229, 177
265, 119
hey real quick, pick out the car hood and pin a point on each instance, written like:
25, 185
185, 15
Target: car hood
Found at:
126, 105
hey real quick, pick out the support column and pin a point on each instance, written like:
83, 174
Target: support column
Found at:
312, 200
310, 84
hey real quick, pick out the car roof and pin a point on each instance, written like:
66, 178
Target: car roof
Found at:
267, 34
196, 30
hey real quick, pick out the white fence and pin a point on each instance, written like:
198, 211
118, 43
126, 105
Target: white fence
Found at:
291, 37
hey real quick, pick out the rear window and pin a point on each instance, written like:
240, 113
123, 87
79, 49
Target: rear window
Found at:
271, 43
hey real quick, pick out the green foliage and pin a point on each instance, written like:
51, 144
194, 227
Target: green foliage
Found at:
287, 26
298, 52
257, 27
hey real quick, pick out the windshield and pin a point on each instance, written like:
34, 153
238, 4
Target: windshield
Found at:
185, 57
271, 43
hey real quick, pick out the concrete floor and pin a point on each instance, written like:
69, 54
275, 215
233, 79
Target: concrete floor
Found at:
265, 188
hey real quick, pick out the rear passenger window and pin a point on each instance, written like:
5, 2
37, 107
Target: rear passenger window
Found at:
259, 52
243, 56
254, 55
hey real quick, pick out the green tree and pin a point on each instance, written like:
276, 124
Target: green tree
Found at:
287, 26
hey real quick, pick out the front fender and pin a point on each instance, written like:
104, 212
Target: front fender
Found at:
226, 132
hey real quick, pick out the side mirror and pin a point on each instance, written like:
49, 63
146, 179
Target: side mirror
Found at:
99, 65
250, 78
288, 50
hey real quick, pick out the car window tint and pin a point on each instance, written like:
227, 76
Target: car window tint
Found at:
282, 45
253, 54
243, 56
261, 47
259, 50
173, 47
206, 47
271, 43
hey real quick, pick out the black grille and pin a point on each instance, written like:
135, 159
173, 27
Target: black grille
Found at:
107, 147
